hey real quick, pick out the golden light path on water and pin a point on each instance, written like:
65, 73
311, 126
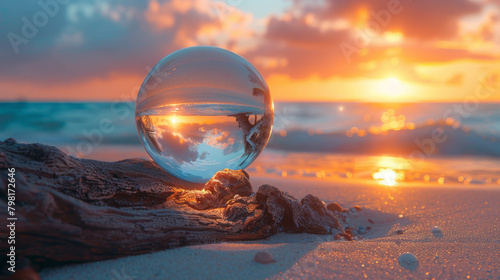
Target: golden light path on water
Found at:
386, 171
388, 176
391, 171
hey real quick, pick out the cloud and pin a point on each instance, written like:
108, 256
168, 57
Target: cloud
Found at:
300, 50
89, 39
488, 29
424, 19
177, 147
456, 79
223, 137
338, 39
183, 142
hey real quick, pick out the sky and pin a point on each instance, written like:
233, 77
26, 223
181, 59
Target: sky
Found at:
307, 50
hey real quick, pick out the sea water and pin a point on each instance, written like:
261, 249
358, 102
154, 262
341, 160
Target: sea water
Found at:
316, 141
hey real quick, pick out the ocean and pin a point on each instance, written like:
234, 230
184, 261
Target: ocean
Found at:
409, 143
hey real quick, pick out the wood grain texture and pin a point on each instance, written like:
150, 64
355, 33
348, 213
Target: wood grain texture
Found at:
78, 210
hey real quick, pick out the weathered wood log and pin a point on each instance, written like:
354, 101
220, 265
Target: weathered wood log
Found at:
77, 210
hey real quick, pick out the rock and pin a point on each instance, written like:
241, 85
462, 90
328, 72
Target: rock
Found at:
222, 187
334, 207
356, 209
361, 230
264, 257
408, 261
400, 231
437, 232
371, 221
347, 236
10, 141
308, 215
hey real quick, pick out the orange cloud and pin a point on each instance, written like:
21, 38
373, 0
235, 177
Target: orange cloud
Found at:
108, 46
456, 79
310, 41
423, 19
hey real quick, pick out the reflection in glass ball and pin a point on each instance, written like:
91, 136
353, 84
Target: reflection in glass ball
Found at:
202, 109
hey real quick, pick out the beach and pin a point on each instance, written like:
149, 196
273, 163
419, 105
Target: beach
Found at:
468, 249
233, 139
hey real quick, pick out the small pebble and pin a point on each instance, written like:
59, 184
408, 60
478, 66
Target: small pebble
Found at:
356, 208
10, 141
371, 221
361, 229
347, 236
400, 231
437, 232
408, 261
345, 218
334, 207
264, 257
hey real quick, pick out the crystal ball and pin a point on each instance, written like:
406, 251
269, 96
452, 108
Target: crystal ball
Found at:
203, 109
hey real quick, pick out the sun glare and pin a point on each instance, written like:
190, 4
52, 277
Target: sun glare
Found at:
174, 120
393, 37
390, 86
388, 177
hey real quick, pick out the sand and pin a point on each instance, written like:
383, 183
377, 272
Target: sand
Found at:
467, 248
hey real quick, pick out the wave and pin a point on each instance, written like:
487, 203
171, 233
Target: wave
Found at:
427, 140
309, 127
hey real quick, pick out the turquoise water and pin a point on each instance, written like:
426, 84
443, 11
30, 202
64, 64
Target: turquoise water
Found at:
341, 141
306, 127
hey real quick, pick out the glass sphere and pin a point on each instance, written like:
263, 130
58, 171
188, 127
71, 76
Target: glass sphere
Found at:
202, 109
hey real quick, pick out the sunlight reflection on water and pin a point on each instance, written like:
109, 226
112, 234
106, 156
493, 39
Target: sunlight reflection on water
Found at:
388, 177
381, 170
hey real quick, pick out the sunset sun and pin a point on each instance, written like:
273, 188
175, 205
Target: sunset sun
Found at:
390, 86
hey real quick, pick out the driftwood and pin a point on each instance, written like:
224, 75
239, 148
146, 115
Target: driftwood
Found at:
77, 210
